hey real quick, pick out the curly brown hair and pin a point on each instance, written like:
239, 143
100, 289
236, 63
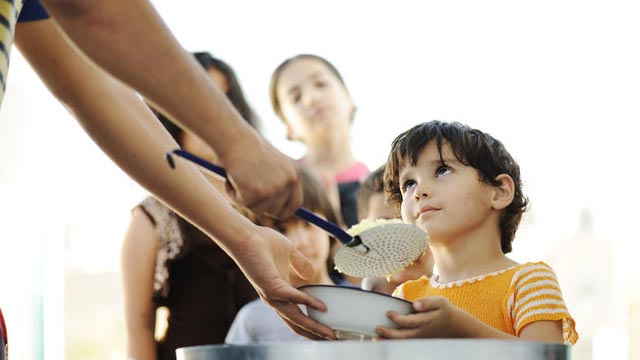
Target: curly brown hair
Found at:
471, 147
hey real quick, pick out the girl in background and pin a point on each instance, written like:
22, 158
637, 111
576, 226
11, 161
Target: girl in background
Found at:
310, 96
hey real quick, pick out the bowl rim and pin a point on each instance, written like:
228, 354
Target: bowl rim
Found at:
354, 289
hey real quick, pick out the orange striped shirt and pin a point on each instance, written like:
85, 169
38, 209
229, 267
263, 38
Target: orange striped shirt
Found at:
507, 300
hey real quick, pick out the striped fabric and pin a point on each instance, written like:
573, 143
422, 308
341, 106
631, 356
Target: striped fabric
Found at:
9, 10
507, 300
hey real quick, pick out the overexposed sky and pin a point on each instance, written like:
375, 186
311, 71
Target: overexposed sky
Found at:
556, 81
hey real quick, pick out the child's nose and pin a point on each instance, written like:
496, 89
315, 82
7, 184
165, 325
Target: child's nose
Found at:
422, 191
309, 97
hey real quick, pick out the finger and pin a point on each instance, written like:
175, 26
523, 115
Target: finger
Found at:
290, 294
296, 198
429, 303
231, 191
390, 333
303, 324
302, 332
300, 264
409, 321
269, 205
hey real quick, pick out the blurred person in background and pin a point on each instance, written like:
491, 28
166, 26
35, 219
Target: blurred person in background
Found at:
311, 98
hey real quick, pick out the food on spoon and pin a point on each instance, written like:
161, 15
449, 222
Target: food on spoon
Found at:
367, 224
391, 250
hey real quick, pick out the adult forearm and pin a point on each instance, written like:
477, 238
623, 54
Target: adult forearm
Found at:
121, 124
129, 39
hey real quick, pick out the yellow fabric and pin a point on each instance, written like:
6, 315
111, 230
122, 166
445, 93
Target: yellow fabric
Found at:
10, 12
507, 300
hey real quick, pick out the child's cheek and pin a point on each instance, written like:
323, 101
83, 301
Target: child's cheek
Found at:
406, 212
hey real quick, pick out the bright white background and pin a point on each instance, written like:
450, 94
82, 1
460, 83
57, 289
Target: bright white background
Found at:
557, 81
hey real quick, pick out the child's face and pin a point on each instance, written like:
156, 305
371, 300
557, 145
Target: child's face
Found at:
378, 209
313, 101
448, 200
312, 241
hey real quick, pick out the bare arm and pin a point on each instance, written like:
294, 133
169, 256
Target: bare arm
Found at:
129, 40
122, 125
139, 250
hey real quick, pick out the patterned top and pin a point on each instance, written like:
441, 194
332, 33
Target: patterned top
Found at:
170, 242
199, 283
12, 11
507, 300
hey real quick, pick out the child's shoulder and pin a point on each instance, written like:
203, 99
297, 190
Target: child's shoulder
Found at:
529, 268
534, 273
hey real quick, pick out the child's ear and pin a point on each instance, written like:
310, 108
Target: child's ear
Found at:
503, 192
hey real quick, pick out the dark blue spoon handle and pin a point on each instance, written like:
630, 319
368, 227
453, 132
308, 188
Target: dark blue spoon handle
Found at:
302, 213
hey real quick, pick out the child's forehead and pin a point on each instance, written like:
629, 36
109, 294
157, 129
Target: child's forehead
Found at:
429, 152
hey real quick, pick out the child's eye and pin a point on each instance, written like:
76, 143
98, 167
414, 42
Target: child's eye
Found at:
320, 84
407, 184
443, 170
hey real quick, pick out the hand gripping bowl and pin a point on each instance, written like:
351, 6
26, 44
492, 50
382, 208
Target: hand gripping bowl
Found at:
354, 313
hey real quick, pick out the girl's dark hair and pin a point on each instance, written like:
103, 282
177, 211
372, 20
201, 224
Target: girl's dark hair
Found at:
471, 147
275, 78
234, 94
373, 184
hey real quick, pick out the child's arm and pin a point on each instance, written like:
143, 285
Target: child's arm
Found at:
436, 317
139, 251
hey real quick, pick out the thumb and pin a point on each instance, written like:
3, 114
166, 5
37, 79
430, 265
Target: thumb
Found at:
429, 303
300, 264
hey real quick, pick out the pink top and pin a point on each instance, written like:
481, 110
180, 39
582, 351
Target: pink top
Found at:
354, 173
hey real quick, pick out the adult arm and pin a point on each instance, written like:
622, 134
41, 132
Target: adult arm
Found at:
130, 41
126, 130
138, 260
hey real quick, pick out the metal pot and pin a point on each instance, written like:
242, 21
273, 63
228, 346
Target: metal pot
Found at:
383, 350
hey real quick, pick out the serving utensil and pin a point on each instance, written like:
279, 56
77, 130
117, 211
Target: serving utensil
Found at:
378, 251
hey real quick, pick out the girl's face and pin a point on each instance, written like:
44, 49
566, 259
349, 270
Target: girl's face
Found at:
313, 101
311, 241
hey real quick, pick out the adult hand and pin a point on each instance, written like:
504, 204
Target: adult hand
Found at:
435, 317
266, 259
262, 178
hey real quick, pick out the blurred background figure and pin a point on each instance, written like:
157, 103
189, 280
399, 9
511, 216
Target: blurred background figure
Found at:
310, 96
257, 323
372, 206
169, 264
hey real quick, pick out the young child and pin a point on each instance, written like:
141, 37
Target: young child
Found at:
256, 322
463, 187
372, 206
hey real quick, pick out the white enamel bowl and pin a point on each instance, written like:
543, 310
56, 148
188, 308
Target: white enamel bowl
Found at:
354, 313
